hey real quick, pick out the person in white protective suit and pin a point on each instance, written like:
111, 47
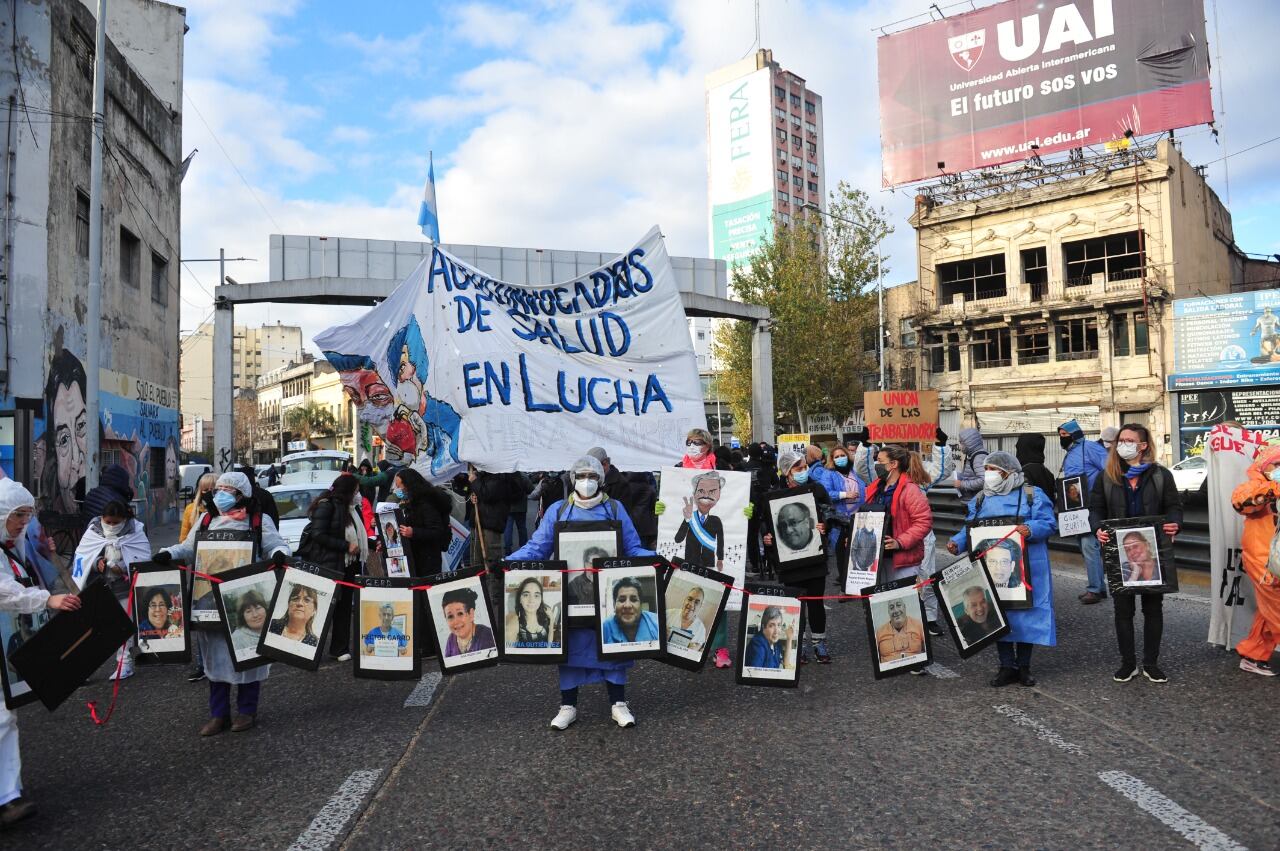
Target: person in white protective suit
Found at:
22, 592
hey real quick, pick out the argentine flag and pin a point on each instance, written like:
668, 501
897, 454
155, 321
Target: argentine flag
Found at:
427, 219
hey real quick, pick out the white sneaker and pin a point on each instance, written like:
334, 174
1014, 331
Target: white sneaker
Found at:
566, 716
623, 715
345, 657
124, 673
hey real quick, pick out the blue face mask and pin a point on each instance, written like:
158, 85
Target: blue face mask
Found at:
841, 462
800, 477
398, 493
224, 501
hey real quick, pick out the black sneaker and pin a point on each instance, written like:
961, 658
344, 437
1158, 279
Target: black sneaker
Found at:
1125, 673
1024, 676
1153, 673
196, 675
1004, 677
933, 628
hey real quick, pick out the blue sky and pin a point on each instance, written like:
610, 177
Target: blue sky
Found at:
557, 124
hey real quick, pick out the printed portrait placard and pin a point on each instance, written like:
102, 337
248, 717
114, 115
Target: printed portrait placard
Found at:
895, 629
462, 621
161, 613
704, 521
970, 606
217, 551
769, 635
533, 612
694, 599
386, 630
793, 522
299, 616
243, 600
630, 617
997, 543
866, 545
578, 544
1138, 556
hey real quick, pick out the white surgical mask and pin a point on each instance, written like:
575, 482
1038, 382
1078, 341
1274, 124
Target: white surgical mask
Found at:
695, 450
991, 479
112, 530
1127, 449
586, 488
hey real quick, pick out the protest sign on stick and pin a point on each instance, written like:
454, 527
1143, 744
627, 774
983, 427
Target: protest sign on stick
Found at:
901, 416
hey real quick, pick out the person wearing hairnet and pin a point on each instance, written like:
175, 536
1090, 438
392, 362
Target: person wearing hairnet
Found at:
22, 591
1005, 493
586, 502
238, 511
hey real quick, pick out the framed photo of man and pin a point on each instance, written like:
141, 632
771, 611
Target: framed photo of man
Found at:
895, 628
998, 544
217, 551
1137, 557
1073, 493
299, 615
244, 603
161, 613
866, 545
793, 521
970, 605
16, 630
533, 616
386, 630
578, 544
631, 618
462, 622
704, 521
694, 599
769, 635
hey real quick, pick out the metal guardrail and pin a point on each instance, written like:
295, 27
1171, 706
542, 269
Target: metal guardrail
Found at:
1192, 544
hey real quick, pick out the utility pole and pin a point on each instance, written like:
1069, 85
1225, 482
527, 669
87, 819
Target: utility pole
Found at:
93, 317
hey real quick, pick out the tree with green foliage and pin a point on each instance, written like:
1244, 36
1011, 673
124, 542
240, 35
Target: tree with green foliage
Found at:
310, 419
817, 276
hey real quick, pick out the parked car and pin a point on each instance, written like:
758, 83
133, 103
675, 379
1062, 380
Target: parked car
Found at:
321, 466
294, 501
188, 476
1190, 474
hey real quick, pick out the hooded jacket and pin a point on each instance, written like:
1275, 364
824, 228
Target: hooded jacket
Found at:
20, 589
1086, 458
1029, 450
113, 485
969, 475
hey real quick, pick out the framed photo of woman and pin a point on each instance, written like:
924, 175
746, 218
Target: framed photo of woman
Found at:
769, 636
997, 543
895, 628
386, 630
533, 616
793, 521
579, 543
630, 621
161, 613
244, 599
298, 623
968, 599
1138, 556
694, 599
463, 622
389, 521
217, 551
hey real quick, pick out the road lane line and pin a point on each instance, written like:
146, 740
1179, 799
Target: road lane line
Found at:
942, 672
1022, 719
1191, 826
335, 814
1185, 598
424, 691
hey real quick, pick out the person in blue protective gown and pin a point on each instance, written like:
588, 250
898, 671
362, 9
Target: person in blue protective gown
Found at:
586, 502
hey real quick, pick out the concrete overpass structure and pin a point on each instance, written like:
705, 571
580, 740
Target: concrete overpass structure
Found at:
346, 271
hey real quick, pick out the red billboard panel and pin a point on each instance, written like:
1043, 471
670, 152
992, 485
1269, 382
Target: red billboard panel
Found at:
981, 88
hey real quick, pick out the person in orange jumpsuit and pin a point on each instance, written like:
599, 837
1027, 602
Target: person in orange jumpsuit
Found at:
1256, 500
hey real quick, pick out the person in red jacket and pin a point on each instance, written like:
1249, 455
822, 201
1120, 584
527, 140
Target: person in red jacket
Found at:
896, 490
1256, 500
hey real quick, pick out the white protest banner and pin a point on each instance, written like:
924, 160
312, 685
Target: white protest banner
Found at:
703, 521
1228, 452
456, 367
1073, 523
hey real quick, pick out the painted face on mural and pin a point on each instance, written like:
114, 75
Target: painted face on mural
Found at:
69, 424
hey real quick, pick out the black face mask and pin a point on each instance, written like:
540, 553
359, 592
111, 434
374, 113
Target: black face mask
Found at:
882, 472
1066, 441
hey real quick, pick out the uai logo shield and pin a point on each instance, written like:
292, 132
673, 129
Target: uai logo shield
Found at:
966, 49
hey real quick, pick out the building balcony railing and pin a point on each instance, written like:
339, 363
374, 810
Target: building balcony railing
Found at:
992, 364
1095, 287
1086, 355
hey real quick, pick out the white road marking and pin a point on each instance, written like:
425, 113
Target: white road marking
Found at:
942, 672
1185, 598
424, 690
1191, 826
335, 814
1022, 719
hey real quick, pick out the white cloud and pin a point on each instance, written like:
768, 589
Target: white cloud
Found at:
382, 55
345, 133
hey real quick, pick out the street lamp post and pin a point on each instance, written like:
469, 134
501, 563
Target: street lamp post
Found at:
879, 237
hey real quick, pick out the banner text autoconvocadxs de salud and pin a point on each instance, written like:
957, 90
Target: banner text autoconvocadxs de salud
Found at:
533, 313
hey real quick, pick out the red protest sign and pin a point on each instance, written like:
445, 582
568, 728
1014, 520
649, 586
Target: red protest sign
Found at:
901, 416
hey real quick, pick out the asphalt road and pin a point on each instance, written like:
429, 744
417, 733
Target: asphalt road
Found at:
843, 761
